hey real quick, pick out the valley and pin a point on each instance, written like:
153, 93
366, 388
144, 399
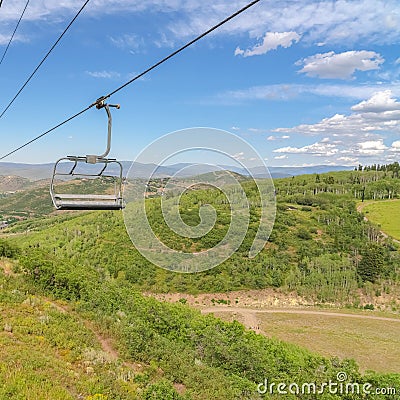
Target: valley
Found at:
323, 292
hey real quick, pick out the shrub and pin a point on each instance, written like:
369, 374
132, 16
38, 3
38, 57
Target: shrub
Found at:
304, 234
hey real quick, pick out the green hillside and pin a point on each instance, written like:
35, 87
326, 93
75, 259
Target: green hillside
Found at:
56, 319
72, 282
320, 245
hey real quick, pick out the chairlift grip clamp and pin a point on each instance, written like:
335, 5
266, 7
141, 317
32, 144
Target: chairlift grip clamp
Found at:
100, 103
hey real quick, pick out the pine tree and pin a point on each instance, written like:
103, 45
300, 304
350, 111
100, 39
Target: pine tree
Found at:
371, 264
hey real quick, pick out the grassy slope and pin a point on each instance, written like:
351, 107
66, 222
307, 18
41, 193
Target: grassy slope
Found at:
29, 203
386, 214
330, 332
12, 183
48, 353
52, 352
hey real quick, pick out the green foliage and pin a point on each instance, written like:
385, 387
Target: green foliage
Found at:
372, 262
212, 359
67, 281
316, 215
162, 389
304, 234
309, 223
367, 183
319, 247
48, 352
8, 249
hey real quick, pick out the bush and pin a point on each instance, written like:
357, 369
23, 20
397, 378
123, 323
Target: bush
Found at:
162, 390
8, 250
304, 234
369, 307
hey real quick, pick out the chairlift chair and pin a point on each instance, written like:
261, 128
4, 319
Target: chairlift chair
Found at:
84, 201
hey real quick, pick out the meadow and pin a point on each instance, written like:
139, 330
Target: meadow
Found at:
386, 214
370, 338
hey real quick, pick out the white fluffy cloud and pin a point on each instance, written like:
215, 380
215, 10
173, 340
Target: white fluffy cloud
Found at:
395, 147
379, 102
4, 39
340, 66
271, 41
338, 125
357, 135
356, 124
317, 149
348, 160
371, 148
348, 153
104, 74
325, 21
283, 137
128, 41
238, 156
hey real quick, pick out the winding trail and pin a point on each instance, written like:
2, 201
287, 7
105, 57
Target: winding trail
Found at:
104, 342
251, 321
107, 344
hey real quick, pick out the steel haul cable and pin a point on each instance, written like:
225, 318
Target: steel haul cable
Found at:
15, 30
136, 77
44, 59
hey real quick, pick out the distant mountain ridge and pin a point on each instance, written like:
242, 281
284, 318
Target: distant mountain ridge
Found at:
35, 172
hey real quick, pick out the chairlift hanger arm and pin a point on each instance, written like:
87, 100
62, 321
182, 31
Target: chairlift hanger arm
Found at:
100, 103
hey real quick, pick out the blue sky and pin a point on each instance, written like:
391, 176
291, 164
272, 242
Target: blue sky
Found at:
304, 82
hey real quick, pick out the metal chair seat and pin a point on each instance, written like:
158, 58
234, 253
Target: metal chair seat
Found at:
88, 202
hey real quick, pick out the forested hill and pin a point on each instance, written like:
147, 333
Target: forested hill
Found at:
73, 332
70, 281
320, 246
370, 182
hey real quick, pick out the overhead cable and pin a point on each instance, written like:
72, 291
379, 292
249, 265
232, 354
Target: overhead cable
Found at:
44, 59
15, 30
136, 77
182, 48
